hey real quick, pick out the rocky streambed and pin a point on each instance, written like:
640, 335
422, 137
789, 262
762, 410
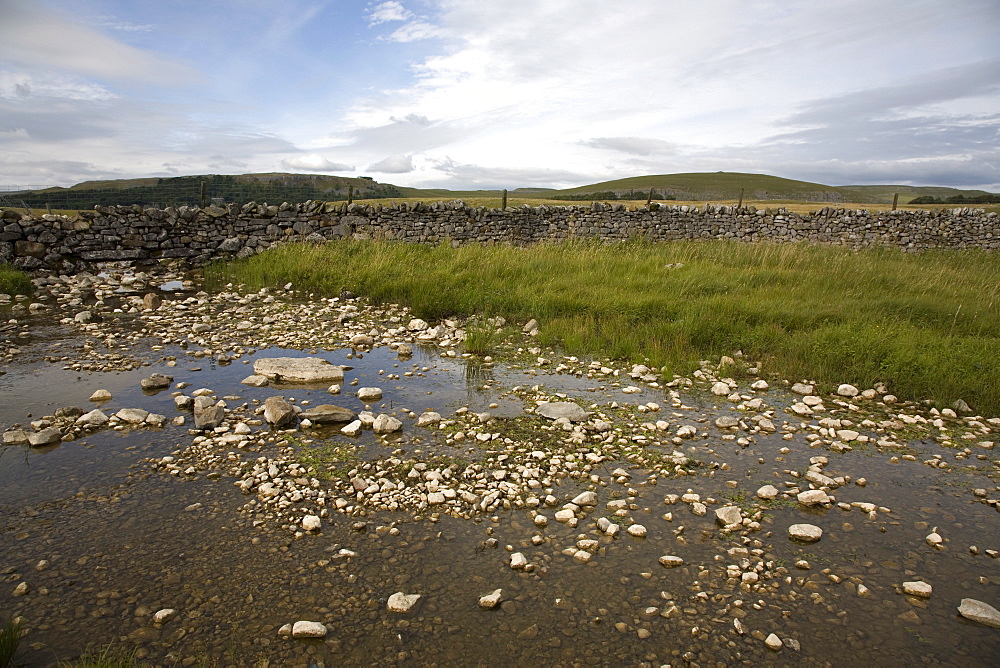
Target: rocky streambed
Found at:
178, 483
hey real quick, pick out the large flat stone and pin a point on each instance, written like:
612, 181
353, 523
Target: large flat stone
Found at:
562, 409
298, 369
328, 413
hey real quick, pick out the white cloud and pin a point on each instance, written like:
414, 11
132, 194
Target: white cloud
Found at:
386, 12
633, 145
315, 163
35, 37
394, 164
415, 31
36, 88
466, 93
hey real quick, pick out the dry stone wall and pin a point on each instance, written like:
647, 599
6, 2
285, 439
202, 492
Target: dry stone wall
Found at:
197, 236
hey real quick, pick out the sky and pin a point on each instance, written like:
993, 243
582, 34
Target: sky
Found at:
472, 94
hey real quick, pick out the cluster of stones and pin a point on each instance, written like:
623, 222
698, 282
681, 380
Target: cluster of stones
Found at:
71, 422
132, 233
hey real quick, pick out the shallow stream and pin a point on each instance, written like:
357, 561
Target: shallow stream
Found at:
104, 540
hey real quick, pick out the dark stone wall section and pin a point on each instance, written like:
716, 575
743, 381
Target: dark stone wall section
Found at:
197, 236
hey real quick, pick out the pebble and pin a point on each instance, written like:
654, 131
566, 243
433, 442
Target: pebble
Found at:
491, 600
306, 629
402, 603
163, 616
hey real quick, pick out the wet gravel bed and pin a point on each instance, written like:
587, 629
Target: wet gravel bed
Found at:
624, 518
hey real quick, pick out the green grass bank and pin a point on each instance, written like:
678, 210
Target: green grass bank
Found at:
926, 324
14, 281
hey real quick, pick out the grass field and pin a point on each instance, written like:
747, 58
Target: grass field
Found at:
14, 281
927, 324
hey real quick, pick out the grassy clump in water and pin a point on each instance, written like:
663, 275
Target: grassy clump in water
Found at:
10, 642
14, 281
927, 324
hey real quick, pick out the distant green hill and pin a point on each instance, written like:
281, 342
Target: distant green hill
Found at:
276, 188
273, 188
728, 185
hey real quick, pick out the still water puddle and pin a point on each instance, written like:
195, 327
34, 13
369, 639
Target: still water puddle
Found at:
122, 542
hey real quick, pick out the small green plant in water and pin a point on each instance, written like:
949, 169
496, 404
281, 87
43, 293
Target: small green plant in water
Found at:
10, 641
105, 656
481, 337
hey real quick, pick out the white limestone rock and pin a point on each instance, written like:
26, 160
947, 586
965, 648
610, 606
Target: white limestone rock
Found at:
304, 629
298, 370
806, 533
163, 616
554, 410
767, 492
369, 394
980, 612
728, 515
386, 424
402, 603
491, 600
813, 497
918, 589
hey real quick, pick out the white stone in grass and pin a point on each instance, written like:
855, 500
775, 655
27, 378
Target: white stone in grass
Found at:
721, 389
847, 390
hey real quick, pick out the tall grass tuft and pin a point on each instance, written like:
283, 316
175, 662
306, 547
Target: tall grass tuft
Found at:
927, 324
14, 281
10, 642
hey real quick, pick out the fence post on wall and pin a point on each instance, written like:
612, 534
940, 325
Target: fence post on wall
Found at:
740, 205
504, 204
350, 195
895, 200
202, 194
649, 199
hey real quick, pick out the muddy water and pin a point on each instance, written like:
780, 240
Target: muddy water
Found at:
122, 542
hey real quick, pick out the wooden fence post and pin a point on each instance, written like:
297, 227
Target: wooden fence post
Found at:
504, 204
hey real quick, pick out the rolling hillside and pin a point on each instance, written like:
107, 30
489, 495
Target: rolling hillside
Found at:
275, 188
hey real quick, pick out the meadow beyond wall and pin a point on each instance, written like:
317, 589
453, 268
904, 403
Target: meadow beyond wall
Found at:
131, 233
